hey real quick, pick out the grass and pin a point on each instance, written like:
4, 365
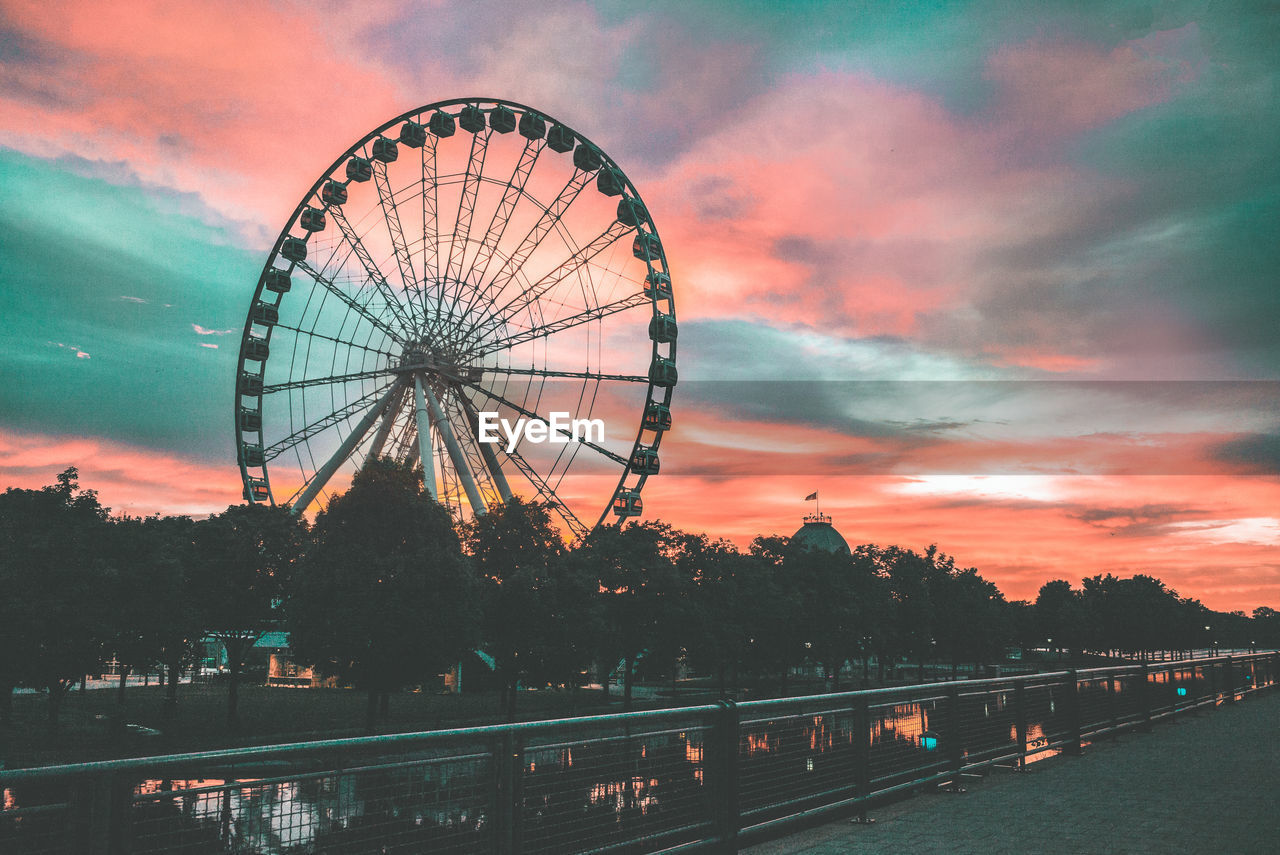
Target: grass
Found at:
92, 724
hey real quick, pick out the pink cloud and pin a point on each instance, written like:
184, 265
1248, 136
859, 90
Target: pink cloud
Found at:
128, 479
1056, 89
201, 96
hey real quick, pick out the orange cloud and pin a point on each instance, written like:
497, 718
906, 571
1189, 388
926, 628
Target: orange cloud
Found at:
128, 479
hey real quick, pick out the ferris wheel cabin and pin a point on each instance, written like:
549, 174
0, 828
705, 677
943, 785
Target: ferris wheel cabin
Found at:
385, 150
502, 119
662, 372
441, 124
413, 135
533, 126
663, 329
644, 461
609, 181
333, 193
657, 417
470, 119
359, 169
312, 219
646, 246
560, 139
627, 504
294, 249
277, 281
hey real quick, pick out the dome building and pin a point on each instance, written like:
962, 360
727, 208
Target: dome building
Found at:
818, 533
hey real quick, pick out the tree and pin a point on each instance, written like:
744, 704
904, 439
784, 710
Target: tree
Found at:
720, 619
53, 615
1060, 616
532, 600
828, 599
638, 581
384, 597
242, 567
972, 618
154, 620
914, 584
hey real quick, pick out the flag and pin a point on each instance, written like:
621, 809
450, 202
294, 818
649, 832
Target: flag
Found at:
812, 497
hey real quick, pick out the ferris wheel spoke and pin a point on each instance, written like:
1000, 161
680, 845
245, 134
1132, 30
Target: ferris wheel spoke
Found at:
341, 341
550, 217
430, 224
552, 327
321, 381
359, 308
580, 259
502, 216
321, 424
391, 215
530, 414
298, 503
573, 375
466, 212
371, 269
546, 494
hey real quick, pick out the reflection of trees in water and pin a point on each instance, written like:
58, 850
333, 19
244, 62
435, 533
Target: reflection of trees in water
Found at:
611, 790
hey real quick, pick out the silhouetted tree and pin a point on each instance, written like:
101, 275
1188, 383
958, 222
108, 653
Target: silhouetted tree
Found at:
1060, 617
537, 609
384, 597
55, 581
242, 566
643, 597
153, 618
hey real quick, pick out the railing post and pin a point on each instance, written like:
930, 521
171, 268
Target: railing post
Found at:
955, 730
1144, 696
1073, 713
1229, 667
862, 755
1020, 721
508, 774
721, 762
1113, 708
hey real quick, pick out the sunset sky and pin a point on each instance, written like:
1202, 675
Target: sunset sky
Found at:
999, 276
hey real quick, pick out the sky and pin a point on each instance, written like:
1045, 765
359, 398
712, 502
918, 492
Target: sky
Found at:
997, 276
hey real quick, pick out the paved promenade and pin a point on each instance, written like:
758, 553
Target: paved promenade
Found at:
1208, 782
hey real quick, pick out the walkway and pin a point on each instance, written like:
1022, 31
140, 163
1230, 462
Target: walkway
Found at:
1203, 783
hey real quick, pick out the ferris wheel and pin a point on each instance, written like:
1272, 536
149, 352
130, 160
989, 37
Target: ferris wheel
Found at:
465, 267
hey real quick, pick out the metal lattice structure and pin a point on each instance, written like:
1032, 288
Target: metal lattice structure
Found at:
472, 256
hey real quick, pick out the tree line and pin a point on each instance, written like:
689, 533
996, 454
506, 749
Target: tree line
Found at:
384, 591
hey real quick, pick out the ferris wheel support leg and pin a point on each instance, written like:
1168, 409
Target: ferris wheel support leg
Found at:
424, 438
384, 429
349, 444
486, 450
460, 464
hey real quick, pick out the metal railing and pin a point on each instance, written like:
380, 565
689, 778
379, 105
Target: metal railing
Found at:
710, 777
